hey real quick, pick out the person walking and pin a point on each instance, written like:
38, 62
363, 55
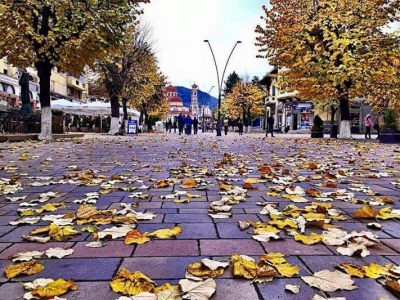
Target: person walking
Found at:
188, 123
270, 125
226, 125
169, 125
240, 126
175, 125
181, 123
368, 124
195, 125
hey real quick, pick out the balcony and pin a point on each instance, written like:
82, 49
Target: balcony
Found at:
75, 83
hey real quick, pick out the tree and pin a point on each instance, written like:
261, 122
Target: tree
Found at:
246, 101
230, 82
62, 34
324, 48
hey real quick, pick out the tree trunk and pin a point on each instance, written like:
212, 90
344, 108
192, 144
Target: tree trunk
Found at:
44, 74
125, 109
249, 121
345, 123
114, 126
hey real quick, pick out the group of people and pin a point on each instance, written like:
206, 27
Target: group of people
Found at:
183, 123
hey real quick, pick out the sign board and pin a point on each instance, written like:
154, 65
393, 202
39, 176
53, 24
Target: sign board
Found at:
132, 127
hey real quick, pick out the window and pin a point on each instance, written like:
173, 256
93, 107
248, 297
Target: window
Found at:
10, 89
5, 71
2, 89
52, 84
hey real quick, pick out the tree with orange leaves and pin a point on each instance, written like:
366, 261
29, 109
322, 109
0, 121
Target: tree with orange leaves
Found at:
330, 49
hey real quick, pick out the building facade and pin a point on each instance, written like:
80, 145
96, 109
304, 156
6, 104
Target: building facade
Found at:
63, 85
175, 104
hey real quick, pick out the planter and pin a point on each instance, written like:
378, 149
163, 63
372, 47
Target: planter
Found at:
74, 129
389, 137
97, 129
317, 134
84, 129
57, 124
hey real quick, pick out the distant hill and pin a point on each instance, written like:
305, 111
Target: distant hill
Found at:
186, 95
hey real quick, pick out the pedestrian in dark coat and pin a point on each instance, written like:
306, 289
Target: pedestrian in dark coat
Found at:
188, 123
195, 125
270, 125
240, 126
181, 123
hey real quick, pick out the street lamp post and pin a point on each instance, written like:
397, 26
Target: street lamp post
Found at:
220, 82
202, 120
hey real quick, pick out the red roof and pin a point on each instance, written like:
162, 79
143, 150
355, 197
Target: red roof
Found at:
170, 88
174, 99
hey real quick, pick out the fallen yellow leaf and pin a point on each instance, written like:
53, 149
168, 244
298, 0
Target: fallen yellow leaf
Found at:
129, 283
25, 268
136, 237
166, 233
54, 289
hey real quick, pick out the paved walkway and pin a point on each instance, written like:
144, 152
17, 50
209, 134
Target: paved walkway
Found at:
146, 159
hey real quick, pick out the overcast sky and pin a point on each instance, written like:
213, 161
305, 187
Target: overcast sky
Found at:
181, 26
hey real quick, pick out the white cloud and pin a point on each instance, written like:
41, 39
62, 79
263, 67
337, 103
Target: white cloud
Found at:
180, 26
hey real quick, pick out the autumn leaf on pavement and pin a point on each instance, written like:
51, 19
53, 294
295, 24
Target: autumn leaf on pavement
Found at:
31, 221
375, 271
352, 270
328, 281
161, 184
278, 261
166, 233
199, 269
131, 283
311, 239
365, 212
54, 289
115, 232
24, 268
62, 233
188, 184
85, 211
393, 286
25, 256
37, 239
202, 290
244, 266
249, 186
58, 252
136, 237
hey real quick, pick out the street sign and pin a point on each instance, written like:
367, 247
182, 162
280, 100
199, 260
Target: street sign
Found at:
132, 127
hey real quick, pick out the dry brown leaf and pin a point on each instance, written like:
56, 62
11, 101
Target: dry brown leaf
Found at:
225, 187
352, 270
287, 270
199, 269
136, 237
365, 212
54, 289
249, 186
62, 233
189, 184
166, 233
24, 268
86, 211
244, 266
328, 281
115, 232
161, 184
129, 283
393, 286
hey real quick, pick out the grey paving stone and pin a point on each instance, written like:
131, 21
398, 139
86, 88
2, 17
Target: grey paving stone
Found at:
321, 262
234, 290
229, 247
167, 248
276, 289
95, 269
160, 267
291, 247
27, 246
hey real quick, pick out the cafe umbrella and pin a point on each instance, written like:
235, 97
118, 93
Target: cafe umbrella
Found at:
25, 97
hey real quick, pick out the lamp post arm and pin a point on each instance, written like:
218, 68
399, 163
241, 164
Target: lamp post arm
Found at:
226, 65
216, 66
